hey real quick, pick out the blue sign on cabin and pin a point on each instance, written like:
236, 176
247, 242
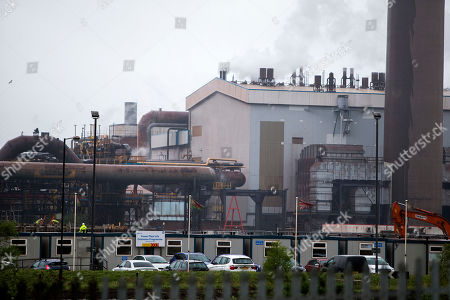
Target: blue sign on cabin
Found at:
259, 243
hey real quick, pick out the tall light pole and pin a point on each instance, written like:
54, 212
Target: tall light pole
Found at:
377, 116
95, 115
406, 228
74, 230
62, 205
189, 232
295, 234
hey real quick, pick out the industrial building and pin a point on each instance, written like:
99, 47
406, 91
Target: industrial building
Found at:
310, 141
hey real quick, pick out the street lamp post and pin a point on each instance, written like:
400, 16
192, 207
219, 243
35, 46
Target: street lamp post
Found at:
74, 230
62, 205
295, 234
95, 115
377, 117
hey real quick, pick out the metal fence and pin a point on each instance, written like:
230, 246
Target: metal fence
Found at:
273, 286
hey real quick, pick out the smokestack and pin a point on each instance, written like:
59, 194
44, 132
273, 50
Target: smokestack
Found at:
352, 78
414, 101
131, 113
344, 78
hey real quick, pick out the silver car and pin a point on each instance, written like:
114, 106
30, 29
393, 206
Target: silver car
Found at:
156, 260
382, 264
135, 265
231, 262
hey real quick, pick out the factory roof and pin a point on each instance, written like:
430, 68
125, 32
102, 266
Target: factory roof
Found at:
290, 95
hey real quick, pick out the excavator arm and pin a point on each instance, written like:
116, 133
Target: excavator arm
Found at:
398, 218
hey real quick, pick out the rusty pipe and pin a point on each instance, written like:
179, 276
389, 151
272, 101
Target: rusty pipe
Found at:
127, 174
118, 174
14, 147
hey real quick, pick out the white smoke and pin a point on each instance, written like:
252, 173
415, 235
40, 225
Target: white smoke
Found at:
317, 28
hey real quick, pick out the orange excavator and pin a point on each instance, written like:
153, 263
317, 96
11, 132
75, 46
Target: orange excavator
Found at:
398, 218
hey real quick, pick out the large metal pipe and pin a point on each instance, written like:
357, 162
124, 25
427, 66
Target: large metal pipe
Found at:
120, 174
415, 61
45, 143
128, 174
178, 117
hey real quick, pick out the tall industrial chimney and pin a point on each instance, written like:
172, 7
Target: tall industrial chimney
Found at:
413, 107
131, 113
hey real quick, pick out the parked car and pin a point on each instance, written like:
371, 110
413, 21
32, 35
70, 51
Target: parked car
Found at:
50, 264
382, 264
315, 264
194, 265
135, 265
339, 263
297, 268
156, 260
232, 262
192, 256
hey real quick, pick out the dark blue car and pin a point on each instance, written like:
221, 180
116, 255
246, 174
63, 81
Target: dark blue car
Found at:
50, 264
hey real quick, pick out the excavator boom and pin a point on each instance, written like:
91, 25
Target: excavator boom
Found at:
398, 218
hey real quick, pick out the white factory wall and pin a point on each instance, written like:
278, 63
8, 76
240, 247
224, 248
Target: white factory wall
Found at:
225, 134
235, 124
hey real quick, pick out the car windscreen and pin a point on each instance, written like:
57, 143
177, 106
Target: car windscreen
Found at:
357, 263
243, 261
197, 266
57, 263
156, 259
199, 256
142, 264
371, 261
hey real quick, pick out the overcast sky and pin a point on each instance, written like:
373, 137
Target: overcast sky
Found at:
61, 59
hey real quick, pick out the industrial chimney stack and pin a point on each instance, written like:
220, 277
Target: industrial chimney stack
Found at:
413, 105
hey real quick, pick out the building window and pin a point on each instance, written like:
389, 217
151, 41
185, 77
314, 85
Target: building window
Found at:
123, 247
196, 131
223, 247
173, 247
66, 247
319, 250
268, 245
365, 249
21, 245
434, 253
297, 140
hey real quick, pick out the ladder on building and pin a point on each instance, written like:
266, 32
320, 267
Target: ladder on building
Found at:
232, 209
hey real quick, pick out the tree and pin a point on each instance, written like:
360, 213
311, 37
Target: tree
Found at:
278, 258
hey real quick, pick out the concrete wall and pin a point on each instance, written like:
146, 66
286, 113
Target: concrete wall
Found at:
210, 246
305, 249
353, 247
258, 250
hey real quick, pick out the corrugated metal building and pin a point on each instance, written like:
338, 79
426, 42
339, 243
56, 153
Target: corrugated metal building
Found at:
267, 128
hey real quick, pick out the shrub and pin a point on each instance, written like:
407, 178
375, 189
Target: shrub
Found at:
278, 258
